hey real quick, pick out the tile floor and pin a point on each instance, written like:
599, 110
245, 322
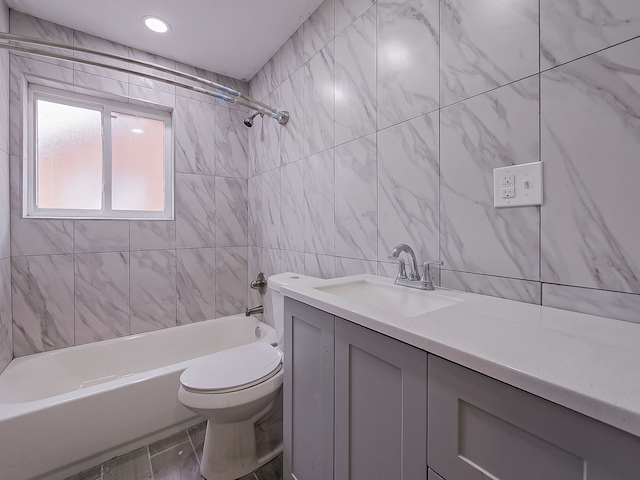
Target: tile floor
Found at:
173, 458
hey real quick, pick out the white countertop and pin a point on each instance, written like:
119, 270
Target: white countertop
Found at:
586, 363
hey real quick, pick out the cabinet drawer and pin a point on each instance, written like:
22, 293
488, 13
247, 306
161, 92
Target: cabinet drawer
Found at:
481, 428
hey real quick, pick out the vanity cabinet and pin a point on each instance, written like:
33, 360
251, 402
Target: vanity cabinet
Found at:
359, 405
480, 428
378, 387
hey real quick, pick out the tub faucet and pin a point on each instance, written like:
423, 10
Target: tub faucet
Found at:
254, 310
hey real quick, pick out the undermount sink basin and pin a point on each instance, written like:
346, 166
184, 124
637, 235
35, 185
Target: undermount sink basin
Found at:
393, 299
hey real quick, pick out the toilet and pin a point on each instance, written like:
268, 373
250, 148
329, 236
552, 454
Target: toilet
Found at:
237, 390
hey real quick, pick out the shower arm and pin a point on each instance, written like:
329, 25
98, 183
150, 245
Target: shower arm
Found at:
229, 94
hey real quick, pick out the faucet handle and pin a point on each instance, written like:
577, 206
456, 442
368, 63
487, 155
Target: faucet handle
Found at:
426, 275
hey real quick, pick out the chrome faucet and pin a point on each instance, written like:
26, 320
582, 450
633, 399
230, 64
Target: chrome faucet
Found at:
395, 254
413, 279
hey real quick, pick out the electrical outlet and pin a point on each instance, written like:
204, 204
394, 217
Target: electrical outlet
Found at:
508, 180
517, 185
508, 192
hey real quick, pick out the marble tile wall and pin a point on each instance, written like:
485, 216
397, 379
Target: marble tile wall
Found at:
6, 333
400, 111
76, 282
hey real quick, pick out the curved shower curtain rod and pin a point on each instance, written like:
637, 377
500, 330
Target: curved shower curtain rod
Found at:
228, 95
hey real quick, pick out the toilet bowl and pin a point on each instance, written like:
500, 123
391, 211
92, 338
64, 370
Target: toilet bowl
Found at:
236, 390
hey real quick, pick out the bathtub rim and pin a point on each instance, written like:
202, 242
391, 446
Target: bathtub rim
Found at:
19, 408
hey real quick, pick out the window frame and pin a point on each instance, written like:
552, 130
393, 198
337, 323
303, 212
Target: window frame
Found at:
107, 107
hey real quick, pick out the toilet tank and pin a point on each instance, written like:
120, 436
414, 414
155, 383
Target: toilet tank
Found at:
274, 301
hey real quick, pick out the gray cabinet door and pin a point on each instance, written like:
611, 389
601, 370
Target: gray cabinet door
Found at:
434, 476
381, 407
480, 428
308, 392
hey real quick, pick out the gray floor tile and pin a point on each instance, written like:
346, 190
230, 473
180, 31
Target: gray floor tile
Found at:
272, 470
168, 442
172, 458
197, 437
93, 474
131, 466
177, 463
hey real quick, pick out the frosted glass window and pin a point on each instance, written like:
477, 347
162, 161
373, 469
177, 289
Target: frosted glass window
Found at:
69, 157
137, 163
94, 158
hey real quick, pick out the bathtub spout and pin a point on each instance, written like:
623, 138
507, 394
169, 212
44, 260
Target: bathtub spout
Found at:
254, 310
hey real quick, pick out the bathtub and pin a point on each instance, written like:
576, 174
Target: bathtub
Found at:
67, 410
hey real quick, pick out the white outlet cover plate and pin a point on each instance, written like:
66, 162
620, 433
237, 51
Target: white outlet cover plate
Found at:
531, 173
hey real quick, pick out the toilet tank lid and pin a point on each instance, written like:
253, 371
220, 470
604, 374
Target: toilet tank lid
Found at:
279, 280
233, 368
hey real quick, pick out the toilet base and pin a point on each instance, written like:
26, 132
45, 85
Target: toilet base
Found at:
230, 453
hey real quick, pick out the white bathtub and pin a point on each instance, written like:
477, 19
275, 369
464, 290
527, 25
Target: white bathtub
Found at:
64, 411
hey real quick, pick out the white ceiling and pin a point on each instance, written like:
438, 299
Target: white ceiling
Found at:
231, 37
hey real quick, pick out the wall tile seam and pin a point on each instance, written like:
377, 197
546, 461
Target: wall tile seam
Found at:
467, 98
217, 176
284, 80
322, 254
304, 64
449, 105
241, 245
75, 298
104, 252
198, 175
541, 282
211, 248
540, 145
129, 284
338, 33
57, 254
440, 134
582, 57
486, 274
636, 294
404, 121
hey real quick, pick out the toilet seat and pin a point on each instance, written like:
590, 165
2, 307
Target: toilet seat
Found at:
233, 369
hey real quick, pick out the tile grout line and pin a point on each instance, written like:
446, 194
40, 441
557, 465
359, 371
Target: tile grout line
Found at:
193, 447
439, 142
150, 464
540, 210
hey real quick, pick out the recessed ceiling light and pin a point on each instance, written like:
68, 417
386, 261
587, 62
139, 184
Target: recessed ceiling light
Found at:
156, 24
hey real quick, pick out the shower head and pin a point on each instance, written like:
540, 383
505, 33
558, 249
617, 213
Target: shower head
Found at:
249, 120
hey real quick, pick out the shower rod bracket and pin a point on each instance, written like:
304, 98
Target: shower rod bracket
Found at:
283, 117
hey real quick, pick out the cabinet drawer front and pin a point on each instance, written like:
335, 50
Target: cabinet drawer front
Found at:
380, 410
481, 428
